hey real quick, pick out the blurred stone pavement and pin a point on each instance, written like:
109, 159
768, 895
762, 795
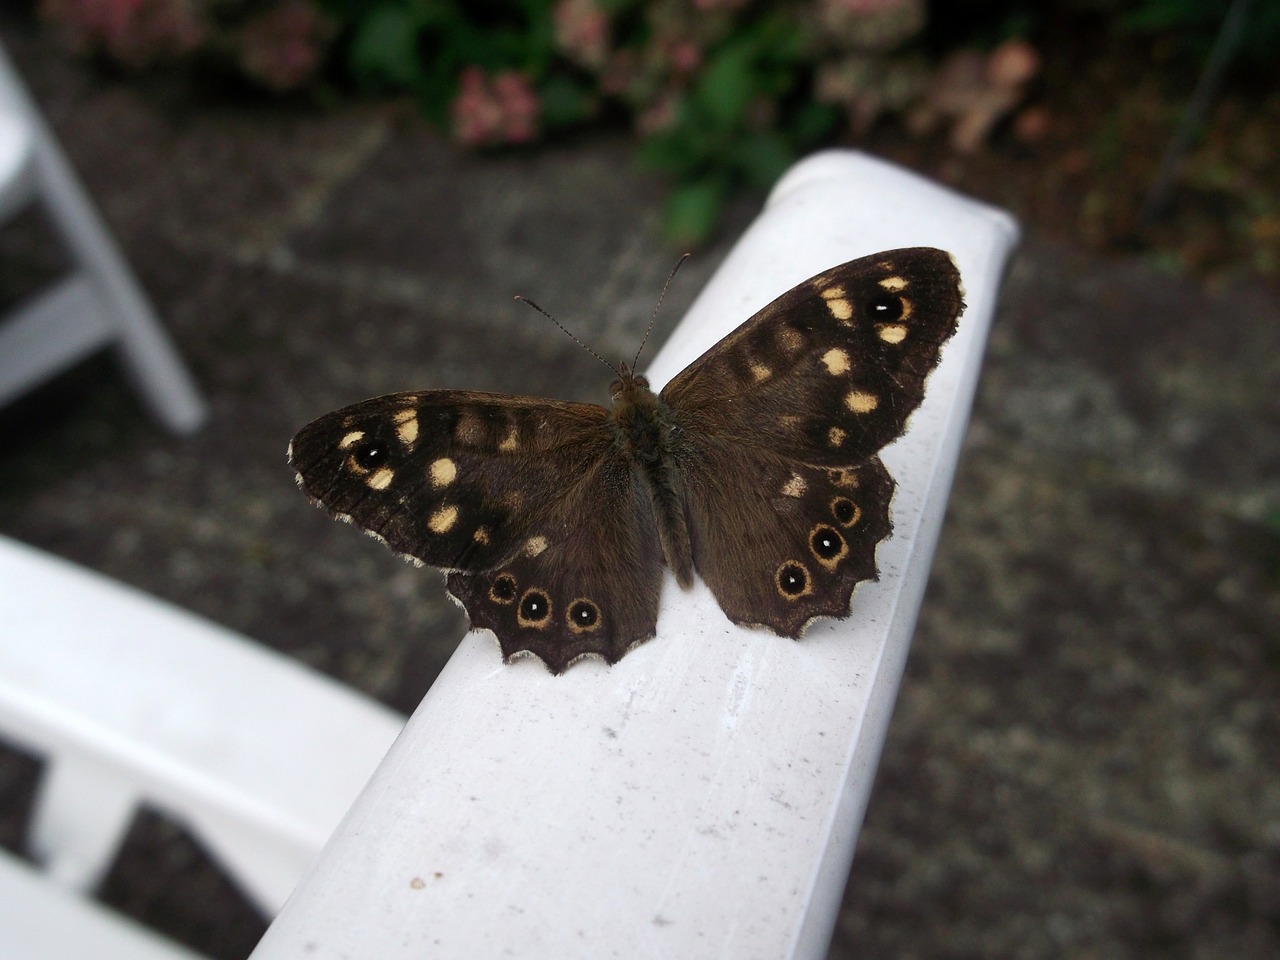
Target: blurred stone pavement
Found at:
1084, 754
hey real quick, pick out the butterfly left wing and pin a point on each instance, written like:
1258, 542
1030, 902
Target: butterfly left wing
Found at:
781, 422
525, 503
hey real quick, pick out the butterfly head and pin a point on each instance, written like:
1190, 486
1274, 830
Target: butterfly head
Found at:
627, 386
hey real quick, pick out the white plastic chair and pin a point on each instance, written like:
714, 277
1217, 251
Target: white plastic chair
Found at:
41, 922
132, 701
100, 303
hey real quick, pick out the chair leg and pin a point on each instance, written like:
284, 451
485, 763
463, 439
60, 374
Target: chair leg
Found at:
82, 812
152, 364
148, 355
39, 338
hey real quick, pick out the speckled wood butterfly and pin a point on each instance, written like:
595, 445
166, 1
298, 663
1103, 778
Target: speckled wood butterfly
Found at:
756, 466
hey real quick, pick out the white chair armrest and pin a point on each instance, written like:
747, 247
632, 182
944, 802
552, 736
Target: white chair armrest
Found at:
703, 796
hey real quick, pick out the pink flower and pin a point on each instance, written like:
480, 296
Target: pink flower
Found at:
686, 57
660, 115
581, 32
283, 47
519, 104
488, 112
877, 25
135, 32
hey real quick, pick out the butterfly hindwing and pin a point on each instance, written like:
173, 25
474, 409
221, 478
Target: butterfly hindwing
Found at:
500, 492
781, 543
593, 589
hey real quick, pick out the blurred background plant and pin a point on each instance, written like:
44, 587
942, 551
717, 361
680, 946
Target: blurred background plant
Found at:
722, 94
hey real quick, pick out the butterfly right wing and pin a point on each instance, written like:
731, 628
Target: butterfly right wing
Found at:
541, 527
781, 424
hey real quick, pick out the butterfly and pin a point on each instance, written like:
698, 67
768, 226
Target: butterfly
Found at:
756, 467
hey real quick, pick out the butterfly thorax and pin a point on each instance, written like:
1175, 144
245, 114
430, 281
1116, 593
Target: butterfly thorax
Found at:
645, 435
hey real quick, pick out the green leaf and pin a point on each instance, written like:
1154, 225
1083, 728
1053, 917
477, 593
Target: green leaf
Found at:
693, 210
763, 157
385, 48
724, 91
565, 102
812, 122
676, 150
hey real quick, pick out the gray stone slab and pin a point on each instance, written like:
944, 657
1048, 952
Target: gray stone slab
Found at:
1083, 758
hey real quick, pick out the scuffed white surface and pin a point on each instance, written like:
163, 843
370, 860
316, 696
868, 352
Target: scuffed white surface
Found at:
702, 797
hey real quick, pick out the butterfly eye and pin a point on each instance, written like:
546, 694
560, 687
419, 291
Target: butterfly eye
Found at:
845, 511
371, 454
535, 608
793, 580
885, 307
503, 589
826, 543
583, 615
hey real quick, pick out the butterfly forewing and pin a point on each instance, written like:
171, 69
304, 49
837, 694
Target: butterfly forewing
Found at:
447, 477
829, 372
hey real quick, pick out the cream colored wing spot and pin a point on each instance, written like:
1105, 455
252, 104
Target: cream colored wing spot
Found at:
442, 520
836, 361
860, 401
788, 421
469, 430
795, 487
534, 546
351, 439
791, 341
835, 436
380, 479
893, 333
510, 442
894, 284
844, 477
481, 536
443, 472
841, 309
833, 293
407, 426
759, 372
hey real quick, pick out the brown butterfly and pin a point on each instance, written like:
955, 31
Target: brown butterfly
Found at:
756, 466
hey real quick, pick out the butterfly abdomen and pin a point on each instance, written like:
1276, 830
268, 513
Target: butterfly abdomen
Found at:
646, 436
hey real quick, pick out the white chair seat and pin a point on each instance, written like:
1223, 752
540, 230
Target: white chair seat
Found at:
130, 700
39, 921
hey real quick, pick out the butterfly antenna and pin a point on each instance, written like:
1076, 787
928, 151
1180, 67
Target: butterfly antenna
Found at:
565, 330
658, 306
